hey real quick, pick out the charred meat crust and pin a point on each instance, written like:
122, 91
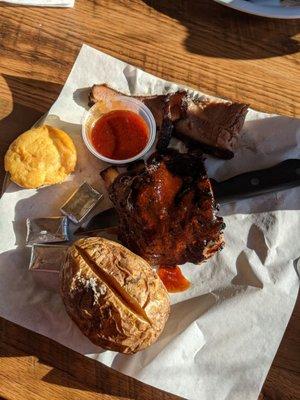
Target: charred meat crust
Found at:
174, 109
192, 144
167, 212
165, 134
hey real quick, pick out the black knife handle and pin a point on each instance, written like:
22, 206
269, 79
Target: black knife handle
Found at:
282, 176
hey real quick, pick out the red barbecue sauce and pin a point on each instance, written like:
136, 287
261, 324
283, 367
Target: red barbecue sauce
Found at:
173, 279
120, 134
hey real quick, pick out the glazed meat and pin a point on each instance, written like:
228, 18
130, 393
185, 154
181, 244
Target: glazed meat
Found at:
167, 211
214, 126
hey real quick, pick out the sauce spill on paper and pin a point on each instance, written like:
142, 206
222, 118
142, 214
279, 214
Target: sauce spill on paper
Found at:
173, 279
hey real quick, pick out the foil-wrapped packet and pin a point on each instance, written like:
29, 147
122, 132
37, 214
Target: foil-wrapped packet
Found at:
81, 203
47, 257
47, 230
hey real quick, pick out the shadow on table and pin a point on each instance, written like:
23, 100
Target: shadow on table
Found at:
111, 382
74, 370
217, 31
108, 382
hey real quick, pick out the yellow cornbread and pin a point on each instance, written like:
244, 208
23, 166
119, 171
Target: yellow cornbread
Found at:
40, 156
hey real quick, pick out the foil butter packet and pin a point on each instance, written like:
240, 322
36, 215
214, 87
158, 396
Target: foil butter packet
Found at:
81, 203
47, 258
47, 230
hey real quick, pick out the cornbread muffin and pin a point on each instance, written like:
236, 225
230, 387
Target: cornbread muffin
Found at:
40, 156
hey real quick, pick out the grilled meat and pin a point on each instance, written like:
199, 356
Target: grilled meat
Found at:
154, 103
212, 125
167, 211
215, 125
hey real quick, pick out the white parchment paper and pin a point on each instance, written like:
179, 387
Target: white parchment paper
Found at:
222, 333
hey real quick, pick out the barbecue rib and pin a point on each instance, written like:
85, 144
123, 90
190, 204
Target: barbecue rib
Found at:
212, 125
167, 210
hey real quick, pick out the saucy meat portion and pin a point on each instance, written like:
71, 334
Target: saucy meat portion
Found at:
213, 125
167, 211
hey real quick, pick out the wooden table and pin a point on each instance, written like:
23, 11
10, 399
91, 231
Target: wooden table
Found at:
198, 43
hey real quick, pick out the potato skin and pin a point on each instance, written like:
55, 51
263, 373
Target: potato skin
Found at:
113, 295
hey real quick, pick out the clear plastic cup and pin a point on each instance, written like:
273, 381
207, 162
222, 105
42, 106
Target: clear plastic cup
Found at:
118, 103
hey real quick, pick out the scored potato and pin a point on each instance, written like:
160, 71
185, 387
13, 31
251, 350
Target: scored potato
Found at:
113, 295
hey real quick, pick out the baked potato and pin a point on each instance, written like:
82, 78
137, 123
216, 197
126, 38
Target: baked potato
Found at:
114, 296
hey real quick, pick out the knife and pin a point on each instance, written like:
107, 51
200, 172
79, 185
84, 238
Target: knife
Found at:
282, 176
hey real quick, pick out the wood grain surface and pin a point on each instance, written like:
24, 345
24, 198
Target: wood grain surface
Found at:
198, 43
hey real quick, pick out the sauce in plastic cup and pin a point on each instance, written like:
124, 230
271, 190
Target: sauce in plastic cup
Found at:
118, 103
